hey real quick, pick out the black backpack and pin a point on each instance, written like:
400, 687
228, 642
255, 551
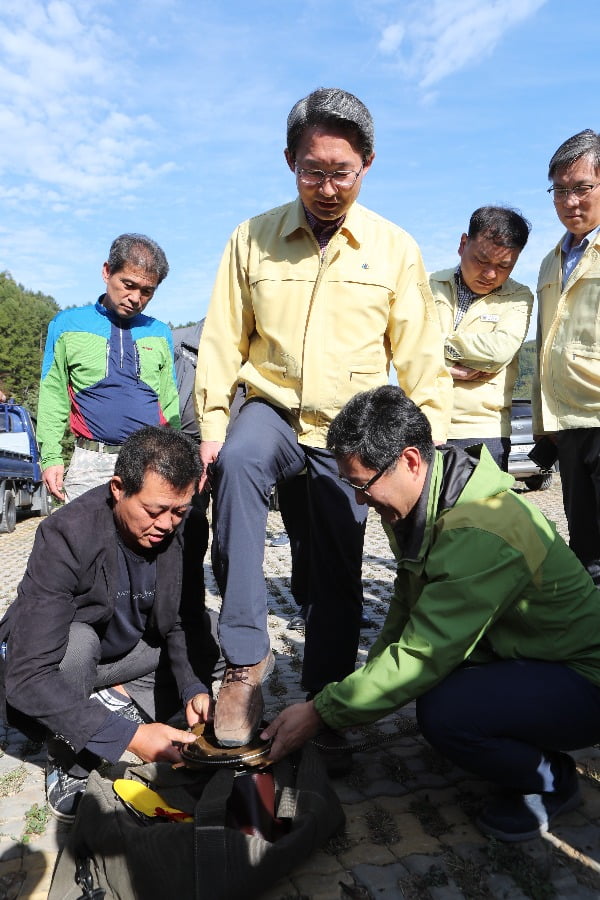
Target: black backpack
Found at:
112, 854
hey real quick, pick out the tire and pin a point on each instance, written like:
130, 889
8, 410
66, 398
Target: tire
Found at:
8, 522
539, 482
46, 507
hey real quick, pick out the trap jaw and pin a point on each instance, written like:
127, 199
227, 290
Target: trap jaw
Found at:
206, 751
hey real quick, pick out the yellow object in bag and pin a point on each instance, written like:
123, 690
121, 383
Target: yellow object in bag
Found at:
142, 800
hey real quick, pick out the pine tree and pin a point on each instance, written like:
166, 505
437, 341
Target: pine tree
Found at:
24, 319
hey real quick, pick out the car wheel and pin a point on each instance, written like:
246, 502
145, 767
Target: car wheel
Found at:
539, 482
8, 522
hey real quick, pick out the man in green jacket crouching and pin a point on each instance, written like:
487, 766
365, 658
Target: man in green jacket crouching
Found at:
493, 626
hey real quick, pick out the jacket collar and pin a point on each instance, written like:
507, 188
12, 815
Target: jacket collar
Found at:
117, 320
509, 287
446, 478
589, 256
295, 219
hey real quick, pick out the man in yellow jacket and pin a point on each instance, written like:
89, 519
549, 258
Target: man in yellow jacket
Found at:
566, 396
312, 302
484, 316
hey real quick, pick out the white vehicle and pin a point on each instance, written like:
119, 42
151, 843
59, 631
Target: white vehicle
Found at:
520, 466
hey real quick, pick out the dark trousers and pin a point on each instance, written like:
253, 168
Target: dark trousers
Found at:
262, 450
499, 448
579, 460
293, 506
508, 721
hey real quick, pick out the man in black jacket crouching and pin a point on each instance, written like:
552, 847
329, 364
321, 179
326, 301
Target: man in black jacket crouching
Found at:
105, 636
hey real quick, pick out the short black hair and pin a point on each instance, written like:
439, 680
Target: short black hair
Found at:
377, 425
160, 449
502, 225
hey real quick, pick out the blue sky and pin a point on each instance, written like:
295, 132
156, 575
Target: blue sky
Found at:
168, 117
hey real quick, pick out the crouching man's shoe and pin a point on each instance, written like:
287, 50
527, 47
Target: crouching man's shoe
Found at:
520, 817
63, 791
240, 705
121, 704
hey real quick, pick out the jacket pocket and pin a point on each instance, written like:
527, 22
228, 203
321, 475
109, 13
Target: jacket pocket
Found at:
359, 378
580, 384
358, 372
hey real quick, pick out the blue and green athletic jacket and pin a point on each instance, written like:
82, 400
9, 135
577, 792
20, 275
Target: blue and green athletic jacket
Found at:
105, 376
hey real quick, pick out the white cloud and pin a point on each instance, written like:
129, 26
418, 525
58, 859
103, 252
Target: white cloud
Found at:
391, 37
432, 41
63, 105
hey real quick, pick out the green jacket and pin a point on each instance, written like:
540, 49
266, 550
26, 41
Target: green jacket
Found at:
482, 576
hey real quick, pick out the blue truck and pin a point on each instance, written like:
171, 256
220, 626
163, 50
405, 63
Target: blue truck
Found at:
21, 485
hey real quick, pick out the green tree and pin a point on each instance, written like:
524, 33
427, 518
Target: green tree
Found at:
24, 318
527, 364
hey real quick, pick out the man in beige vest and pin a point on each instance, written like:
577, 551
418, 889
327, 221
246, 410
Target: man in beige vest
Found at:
312, 303
484, 316
567, 390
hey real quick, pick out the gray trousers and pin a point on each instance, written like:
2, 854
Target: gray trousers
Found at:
88, 469
143, 672
261, 450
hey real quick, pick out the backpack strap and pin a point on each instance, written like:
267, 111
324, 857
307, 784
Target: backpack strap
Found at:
212, 806
210, 852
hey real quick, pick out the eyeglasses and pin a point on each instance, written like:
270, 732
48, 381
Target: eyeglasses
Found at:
580, 191
364, 488
316, 177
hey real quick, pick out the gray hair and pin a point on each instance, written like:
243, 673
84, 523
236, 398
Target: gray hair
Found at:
377, 425
337, 109
157, 448
139, 251
501, 224
584, 143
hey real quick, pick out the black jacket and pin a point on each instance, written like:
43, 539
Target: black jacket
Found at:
71, 576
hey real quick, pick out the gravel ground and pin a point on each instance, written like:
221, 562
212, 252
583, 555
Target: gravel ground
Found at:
409, 813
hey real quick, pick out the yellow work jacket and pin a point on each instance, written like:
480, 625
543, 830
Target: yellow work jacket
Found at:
488, 338
567, 387
307, 333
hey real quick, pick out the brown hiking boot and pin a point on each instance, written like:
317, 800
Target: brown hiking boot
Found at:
240, 705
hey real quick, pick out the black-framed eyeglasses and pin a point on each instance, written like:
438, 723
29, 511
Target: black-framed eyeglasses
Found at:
580, 191
316, 177
364, 488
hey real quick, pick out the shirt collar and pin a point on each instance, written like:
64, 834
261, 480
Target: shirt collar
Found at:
296, 218
568, 241
320, 227
464, 288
